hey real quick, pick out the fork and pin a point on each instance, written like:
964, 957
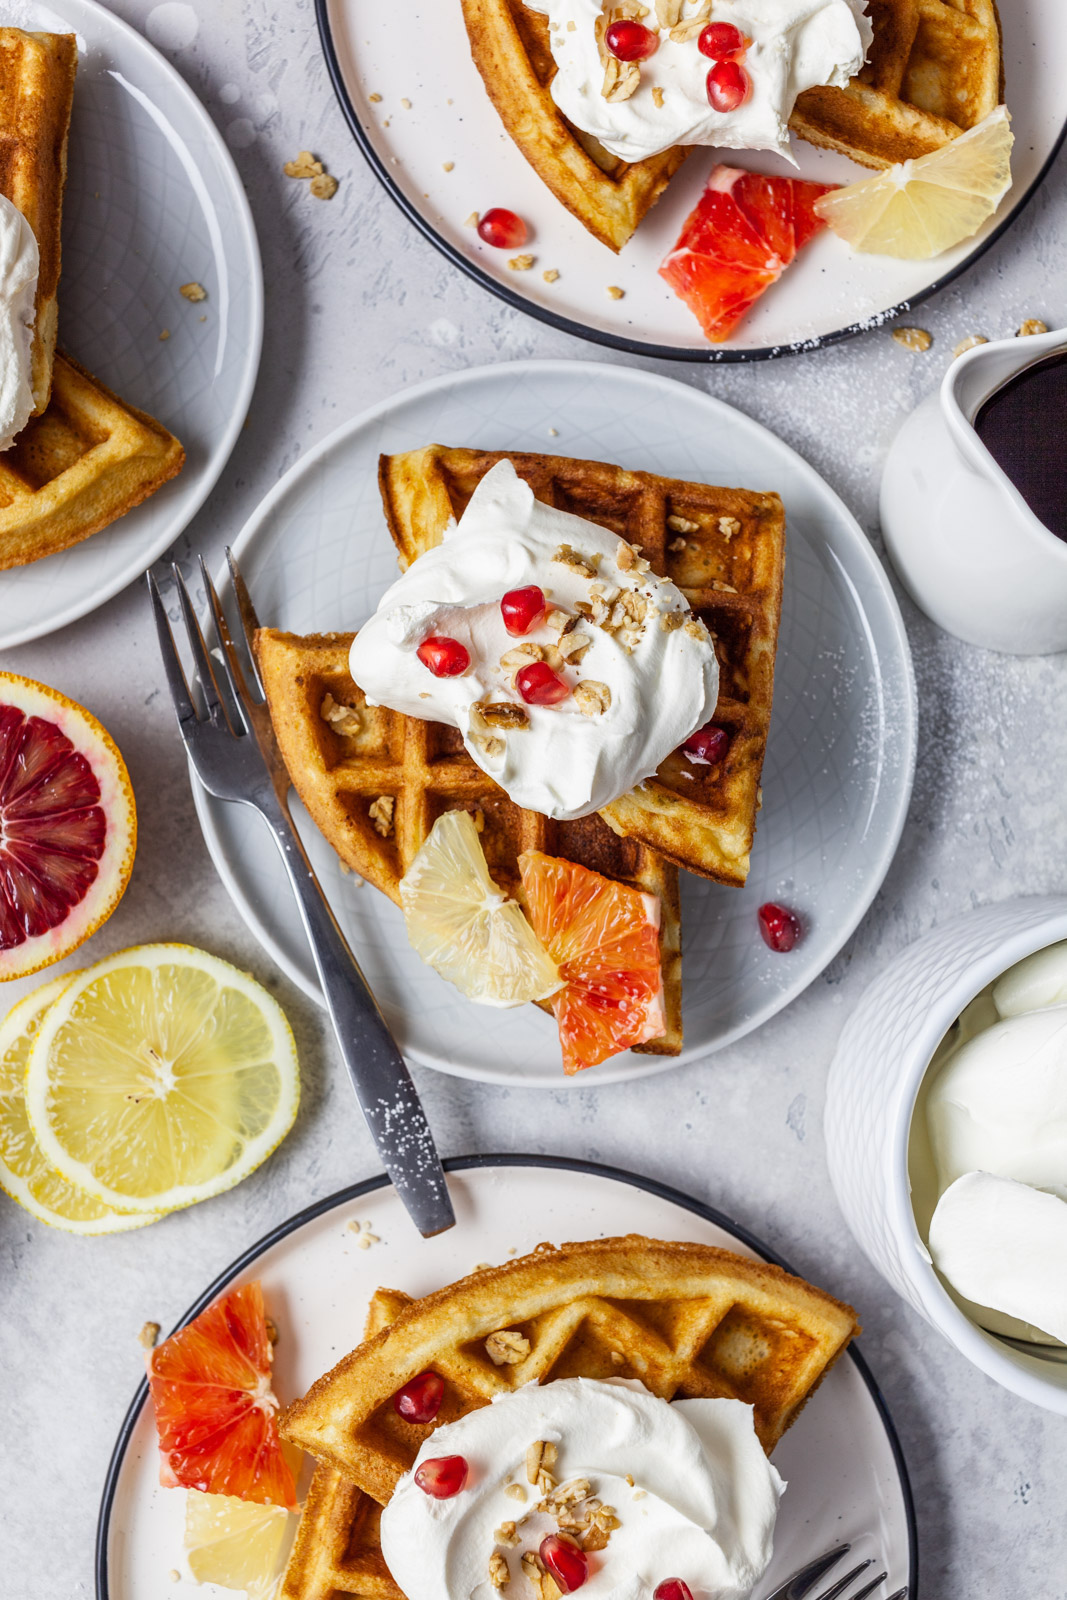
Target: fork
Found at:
801, 1583
233, 751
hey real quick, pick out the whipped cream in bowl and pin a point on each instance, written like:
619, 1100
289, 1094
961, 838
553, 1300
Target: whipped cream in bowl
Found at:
673, 1490
18, 291
793, 45
640, 672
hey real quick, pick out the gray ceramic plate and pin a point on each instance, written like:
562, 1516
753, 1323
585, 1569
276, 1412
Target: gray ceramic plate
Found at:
839, 766
153, 201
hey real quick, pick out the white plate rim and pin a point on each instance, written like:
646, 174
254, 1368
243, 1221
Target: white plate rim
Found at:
221, 451
356, 1191
650, 1066
707, 354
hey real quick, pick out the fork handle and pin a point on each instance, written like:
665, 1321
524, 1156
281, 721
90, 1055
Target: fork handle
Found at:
387, 1097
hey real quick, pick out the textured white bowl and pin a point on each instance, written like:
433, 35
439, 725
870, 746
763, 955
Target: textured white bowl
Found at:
875, 1076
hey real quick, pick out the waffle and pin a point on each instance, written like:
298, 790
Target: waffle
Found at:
36, 90
70, 472
933, 71
724, 548
686, 1319
341, 773
510, 46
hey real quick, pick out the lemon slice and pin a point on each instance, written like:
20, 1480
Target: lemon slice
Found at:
161, 1076
24, 1173
235, 1543
466, 928
919, 208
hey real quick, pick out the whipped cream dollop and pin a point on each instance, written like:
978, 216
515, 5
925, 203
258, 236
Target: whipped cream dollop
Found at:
995, 1113
688, 1483
18, 289
795, 44
642, 667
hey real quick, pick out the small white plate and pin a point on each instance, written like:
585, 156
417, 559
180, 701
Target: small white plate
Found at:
153, 201
847, 1478
837, 779
419, 54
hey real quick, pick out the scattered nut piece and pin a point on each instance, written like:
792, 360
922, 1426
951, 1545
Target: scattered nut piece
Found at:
193, 291
657, 96
448, 166
728, 526
615, 292
174, 1575
375, 99
522, 655
305, 166
488, 743
625, 556
380, 812
695, 629
164, 335
723, 588
621, 80
539, 1455
521, 263
566, 557
508, 1347
679, 524
406, 103
668, 13
515, 1491
502, 714
324, 187
148, 1335
472, 220
913, 338
591, 697
344, 720
557, 618
969, 343
1032, 325
573, 646
676, 544
669, 621
506, 1533
551, 275
498, 1570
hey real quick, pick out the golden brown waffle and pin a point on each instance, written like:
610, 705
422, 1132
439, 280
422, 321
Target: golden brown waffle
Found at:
70, 472
933, 71
36, 90
510, 47
342, 770
724, 548
686, 1319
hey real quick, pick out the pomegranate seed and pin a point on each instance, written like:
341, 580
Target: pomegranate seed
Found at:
442, 1477
420, 1400
522, 609
709, 743
631, 41
673, 1588
567, 1564
540, 686
446, 658
728, 86
779, 926
502, 229
722, 42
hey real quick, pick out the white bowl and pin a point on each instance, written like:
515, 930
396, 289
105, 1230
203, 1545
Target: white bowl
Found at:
875, 1077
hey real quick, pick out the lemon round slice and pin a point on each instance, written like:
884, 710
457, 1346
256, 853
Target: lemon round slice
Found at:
466, 928
24, 1173
161, 1076
237, 1544
919, 208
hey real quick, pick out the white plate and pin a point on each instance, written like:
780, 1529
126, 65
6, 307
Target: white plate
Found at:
839, 767
847, 1479
153, 201
419, 53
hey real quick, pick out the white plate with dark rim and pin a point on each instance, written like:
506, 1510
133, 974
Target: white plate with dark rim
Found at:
419, 54
153, 200
838, 775
842, 1459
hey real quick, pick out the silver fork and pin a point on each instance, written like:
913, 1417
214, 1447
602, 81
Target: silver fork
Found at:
803, 1582
233, 752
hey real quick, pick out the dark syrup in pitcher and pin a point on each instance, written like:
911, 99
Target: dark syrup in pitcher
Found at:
1024, 428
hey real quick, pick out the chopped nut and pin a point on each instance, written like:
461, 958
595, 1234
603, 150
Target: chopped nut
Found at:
272, 1330
472, 220
148, 1335
608, 592
498, 1570
595, 1539
573, 646
508, 1347
521, 263
657, 96
174, 1575
502, 714
625, 556
344, 720
615, 292
406, 104
515, 1491
592, 698
375, 99
669, 13
324, 187
551, 275
969, 343
551, 657
193, 291
305, 166
506, 1534
913, 338
677, 544
448, 166
638, 1494
728, 526
723, 588
164, 335
488, 743
630, 1479
695, 629
560, 620
566, 557
621, 80
1031, 326
669, 621
380, 812
679, 524
688, 29
540, 1454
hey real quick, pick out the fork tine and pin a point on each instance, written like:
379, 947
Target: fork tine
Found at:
172, 666
861, 1594
230, 664
901, 1594
201, 660
843, 1583
247, 612
805, 1580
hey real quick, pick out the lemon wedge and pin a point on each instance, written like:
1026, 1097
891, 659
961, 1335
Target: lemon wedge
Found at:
919, 208
159, 1077
237, 1544
24, 1173
466, 928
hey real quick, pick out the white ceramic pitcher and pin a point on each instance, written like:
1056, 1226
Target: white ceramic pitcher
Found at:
965, 543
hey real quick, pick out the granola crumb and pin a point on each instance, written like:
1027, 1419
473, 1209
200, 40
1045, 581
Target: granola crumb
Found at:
305, 166
1031, 326
515, 1491
344, 720
498, 1570
324, 187
472, 220
507, 1348
566, 557
375, 99
521, 263
406, 103
448, 166
539, 1455
916, 339
657, 96
380, 812
728, 526
625, 556
630, 1479
615, 292
969, 343
149, 1335
670, 621
193, 291
551, 276
592, 698
164, 335
679, 524
502, 713
695, 629
676, 544
507, 1535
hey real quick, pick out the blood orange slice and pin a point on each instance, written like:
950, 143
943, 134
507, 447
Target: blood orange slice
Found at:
67, 826
604, 938
742, 234
215, 1409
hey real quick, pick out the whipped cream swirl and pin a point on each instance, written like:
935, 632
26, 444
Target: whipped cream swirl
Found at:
18, 290
795, 45
660, 673
701, 1505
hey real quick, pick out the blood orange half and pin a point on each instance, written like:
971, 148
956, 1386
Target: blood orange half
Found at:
68, 829
739, 238
604, 937
216, 1413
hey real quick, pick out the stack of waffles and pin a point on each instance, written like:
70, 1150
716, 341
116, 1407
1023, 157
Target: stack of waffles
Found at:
375, 781
686, 1320
85, 457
